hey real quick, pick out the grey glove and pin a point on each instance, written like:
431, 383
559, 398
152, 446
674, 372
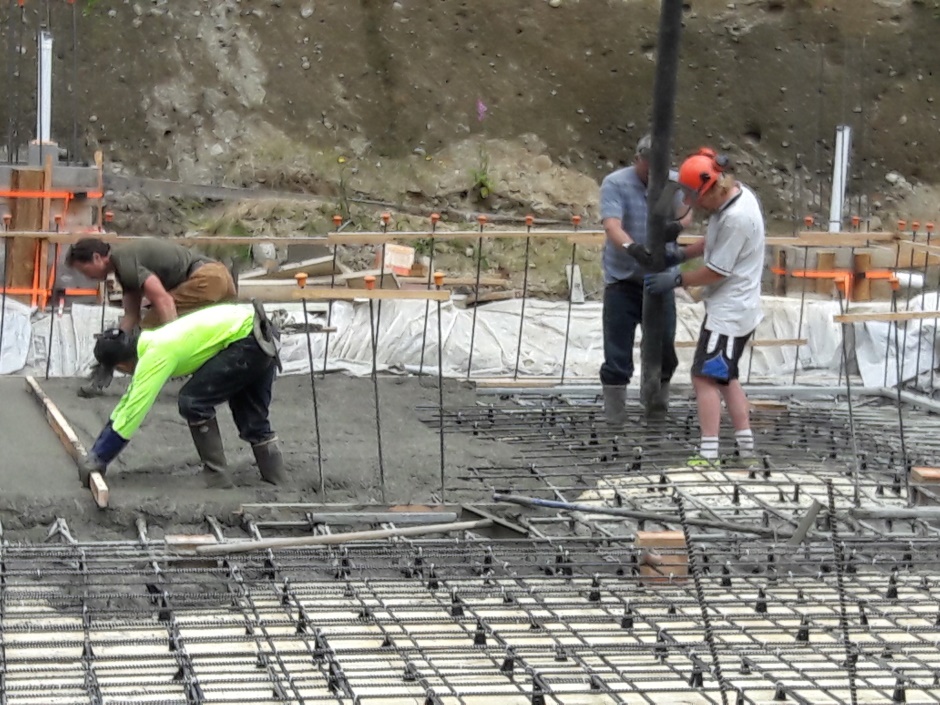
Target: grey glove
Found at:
662, 282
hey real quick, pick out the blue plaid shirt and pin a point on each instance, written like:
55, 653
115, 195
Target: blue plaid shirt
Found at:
623, 196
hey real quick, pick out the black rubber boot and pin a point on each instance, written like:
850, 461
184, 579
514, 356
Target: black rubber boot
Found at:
270, 461
100, 380
208, 443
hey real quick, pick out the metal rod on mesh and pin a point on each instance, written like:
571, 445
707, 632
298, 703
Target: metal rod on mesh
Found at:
837, 549
370, 284
529, 219
301, 278
435, 217
386, 217
700, 598
481, 219
337, 223
576, 221
438, 282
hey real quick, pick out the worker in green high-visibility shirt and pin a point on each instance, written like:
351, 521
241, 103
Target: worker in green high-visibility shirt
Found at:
231, 351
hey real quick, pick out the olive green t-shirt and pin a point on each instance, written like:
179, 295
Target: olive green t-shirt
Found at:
135, 262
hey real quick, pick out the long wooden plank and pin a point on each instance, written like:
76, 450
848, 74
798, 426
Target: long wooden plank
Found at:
67, 436
327, 294
593, 237
26, 215
886, 317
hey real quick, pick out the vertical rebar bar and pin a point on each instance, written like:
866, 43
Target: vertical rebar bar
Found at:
525, 293
574, 250
440, 387
427, 304
700, 597
907, 302
844, 362
840, 585
905, 465
375, 388
337, 224
923, 297
799, 325
894, 309
51, 310
476, 292
313, 393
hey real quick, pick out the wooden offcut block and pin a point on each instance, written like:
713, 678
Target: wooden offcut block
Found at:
99, 490
769, 405
398, 259
925, 476
669, 559
188, 542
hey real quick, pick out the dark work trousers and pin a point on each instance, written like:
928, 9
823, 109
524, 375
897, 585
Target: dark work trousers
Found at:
623, 312
242, 375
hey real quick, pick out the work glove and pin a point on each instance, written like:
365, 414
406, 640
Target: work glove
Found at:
107, 447
640, 254
675, 255
671, 230
662, 282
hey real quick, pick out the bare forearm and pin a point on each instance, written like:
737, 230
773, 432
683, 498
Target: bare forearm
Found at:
616, 235
703, 276
696, 249
131, 316
165, 308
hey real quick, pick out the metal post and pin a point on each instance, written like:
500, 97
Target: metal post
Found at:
438, 281
435, 217
576, 220
529, 219
664, 96
481, 219
370, 285
337, 223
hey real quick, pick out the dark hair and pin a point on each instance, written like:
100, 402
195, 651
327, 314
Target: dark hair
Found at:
85, 250
114, 346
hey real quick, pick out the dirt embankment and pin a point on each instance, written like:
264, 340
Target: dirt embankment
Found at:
459, 106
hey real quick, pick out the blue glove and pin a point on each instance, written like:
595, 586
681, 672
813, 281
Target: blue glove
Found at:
675, 255
107, 447
662, 282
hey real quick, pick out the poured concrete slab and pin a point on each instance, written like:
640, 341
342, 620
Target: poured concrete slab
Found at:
34, 467
158, 474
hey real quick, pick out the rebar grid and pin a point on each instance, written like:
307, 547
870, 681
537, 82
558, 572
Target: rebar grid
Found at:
568, 615
477, 620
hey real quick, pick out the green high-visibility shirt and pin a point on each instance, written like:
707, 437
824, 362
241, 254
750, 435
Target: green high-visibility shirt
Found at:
177, 349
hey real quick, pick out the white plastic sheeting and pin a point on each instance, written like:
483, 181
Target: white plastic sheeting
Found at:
400, 327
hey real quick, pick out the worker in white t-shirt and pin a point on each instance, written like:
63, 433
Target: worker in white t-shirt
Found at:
733, 250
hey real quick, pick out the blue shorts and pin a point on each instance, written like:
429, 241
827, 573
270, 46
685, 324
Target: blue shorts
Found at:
717, 356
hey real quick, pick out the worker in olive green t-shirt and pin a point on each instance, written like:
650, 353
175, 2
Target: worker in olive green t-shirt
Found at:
231, 352
174, 279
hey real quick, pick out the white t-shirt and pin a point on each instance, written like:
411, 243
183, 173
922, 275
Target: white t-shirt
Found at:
734, 247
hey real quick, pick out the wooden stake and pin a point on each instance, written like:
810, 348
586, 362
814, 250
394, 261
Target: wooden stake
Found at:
825, 262
861, 265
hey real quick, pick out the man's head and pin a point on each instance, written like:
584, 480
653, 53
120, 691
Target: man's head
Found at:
91, 257
704, 181
641, 159
117, 349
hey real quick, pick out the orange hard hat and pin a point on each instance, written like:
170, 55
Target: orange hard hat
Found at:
700, 172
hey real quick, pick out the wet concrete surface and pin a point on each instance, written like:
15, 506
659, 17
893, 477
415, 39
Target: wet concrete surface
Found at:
158, 475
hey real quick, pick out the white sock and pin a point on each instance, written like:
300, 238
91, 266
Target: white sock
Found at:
709, 447
744, 440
